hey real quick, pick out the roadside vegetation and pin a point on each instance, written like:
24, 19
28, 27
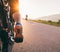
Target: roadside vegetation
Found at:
48, 22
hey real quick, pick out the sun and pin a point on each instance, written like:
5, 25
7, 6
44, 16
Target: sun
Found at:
26, 8
23, 8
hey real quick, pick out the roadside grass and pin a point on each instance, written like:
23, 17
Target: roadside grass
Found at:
47, 22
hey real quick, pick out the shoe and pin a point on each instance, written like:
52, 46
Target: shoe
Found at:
11, 38
11, 42
18, 27
18, 36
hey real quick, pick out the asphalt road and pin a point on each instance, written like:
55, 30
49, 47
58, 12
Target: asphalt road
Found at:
38, 37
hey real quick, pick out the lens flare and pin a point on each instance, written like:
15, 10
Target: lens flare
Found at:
19, 6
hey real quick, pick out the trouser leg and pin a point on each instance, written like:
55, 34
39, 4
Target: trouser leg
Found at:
4, 39
10, 27
4, 47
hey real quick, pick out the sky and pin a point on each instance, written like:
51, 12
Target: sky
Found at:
39, 8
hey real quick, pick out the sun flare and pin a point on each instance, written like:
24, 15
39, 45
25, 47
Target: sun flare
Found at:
23, 9
38, 8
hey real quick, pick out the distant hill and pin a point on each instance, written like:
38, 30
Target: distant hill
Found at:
53, 18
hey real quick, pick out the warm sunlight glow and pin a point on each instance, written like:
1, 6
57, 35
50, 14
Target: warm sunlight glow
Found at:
22, 8
25, 9
19, 5
38, 8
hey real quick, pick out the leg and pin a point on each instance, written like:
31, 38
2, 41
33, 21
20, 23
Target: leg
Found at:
4, 39
11, 30
4, 47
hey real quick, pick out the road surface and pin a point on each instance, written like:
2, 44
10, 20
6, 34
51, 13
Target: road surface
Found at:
39, 37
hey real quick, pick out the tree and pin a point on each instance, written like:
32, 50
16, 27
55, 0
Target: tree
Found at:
49, 21
58, 21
